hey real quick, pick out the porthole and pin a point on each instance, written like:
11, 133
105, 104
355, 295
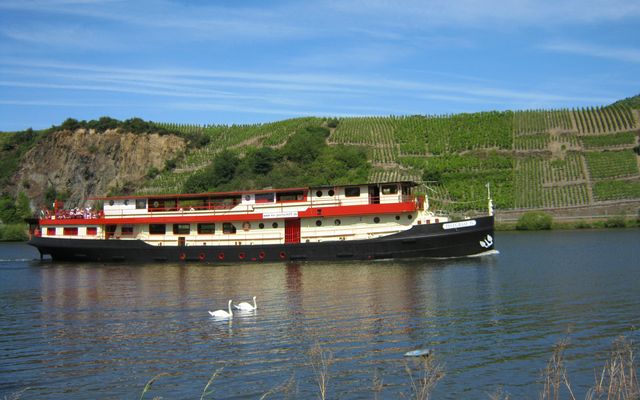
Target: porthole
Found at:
261, 225
319, 193
274, 225
397, 218
331, 192
376, 220
409, 216
318, 223
111, 202
337, 222
126, 202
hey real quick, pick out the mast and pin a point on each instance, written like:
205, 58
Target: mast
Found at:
489, 200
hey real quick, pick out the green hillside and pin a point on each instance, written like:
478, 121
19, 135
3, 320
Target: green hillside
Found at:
532, 159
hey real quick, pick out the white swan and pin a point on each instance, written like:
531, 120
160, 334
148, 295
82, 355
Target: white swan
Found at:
244, 306
222, 313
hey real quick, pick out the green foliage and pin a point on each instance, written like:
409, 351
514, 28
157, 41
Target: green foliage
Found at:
152, 172
617, 221
333, 122
13, 233
305, 146
611, 140
305, 160
23, 209
8, 213
13, 146
616, 190
534, 221
170, 164
133, 125
611, 164
631, 102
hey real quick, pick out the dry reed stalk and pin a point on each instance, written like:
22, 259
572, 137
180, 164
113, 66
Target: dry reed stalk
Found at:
377, 384
215, 374
619, 377
147, 387
16, 395
499, 394
429, 373
555, 374
320, 361
287, 388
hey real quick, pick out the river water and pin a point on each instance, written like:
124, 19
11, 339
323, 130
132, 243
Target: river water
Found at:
79, 331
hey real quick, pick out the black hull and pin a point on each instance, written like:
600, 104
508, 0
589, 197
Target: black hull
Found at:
432, 241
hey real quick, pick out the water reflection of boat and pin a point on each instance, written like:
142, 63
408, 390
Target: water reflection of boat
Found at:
351, 222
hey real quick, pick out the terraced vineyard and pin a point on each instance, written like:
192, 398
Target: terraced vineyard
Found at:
540, 121
532, 159
541, 182
611, 164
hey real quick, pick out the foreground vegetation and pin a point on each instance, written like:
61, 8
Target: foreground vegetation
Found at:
618, 378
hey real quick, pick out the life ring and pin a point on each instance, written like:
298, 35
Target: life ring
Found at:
241, 255
261, 255
283, 255
183, 256
221, 256
202, 256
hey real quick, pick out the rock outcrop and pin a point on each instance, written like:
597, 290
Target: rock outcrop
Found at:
86, 163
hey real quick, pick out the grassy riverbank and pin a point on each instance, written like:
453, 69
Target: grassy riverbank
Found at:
535, 221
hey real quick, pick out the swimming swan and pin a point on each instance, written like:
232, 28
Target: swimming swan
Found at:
222, 313
244, 306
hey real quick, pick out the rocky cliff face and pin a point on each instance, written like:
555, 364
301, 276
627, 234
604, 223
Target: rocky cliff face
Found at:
86, 163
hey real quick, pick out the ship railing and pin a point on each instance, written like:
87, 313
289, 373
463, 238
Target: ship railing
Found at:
70, 215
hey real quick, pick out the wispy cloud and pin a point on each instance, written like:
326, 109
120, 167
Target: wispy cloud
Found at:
631, 55
258, 90
61, 36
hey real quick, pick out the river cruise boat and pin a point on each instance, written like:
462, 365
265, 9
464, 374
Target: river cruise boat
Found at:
351, 222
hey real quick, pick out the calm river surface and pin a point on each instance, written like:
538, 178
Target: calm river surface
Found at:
80, 331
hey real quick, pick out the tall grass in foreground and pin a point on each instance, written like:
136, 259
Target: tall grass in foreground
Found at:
618, 379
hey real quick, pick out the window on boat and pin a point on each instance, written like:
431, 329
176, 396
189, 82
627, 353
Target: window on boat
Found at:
389, 189
319, 193
298, 195
127, 230
181, 229
265, 197
70, 231
228, 227
157, 229
141, 204
206, 229
155, 204
352, 191
51, 231
92, 230
193, 204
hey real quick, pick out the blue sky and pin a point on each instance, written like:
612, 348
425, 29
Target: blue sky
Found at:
225, 62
